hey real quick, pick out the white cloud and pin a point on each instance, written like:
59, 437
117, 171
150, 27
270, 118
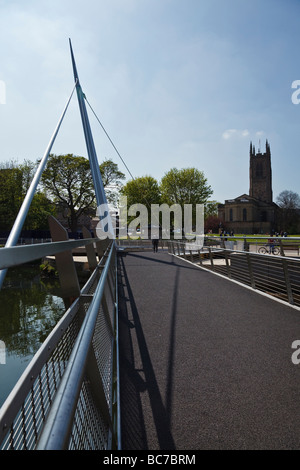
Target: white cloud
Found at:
229, 133
162, 97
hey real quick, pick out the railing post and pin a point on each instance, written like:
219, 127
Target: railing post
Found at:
246, 244
227, 264
200, 257
64, 263
211, 258
252, 281
90, 250
101, 246
281, 248
287, 281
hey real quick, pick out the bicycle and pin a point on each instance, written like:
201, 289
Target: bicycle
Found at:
270, 248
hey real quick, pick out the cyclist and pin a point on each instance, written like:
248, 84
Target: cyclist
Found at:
271, 245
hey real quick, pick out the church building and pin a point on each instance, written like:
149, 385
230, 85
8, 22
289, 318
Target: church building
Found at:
256, 212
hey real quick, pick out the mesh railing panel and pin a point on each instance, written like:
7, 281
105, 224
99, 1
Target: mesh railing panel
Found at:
92, 426
89, 430
24, 431
103, 348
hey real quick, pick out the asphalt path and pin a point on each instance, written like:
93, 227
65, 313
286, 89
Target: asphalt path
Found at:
205, 363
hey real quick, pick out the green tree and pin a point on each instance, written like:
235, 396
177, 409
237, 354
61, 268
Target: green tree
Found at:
28, 169
112, 179
186, 186
15, 180
143, 190
68, 180
211, 209
10, 195
40, 209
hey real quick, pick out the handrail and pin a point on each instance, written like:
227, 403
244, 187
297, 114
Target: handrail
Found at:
56, 433
276, 275
14, 256
57, 373
220, 249
251, 237
59, 366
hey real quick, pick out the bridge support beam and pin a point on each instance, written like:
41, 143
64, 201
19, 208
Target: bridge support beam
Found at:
65, 264
90, 250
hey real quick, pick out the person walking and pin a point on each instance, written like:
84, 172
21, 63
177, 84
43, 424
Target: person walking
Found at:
155, 244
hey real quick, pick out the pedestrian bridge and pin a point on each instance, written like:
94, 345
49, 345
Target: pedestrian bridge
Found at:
205, 360
161, 351
192, 347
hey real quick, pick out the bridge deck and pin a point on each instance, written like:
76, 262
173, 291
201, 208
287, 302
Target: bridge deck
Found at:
205, 362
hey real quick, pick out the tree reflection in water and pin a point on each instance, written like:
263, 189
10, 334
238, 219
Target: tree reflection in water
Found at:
30, 306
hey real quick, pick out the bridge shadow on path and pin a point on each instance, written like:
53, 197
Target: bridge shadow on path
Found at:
162, 261
205, 363
135, 381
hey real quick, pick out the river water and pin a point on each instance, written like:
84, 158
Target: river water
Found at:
30, 306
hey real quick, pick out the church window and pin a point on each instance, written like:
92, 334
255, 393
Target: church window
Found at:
264, 216
244, 215
231, 215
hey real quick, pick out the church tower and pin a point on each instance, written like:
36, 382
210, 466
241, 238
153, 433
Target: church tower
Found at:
261, 174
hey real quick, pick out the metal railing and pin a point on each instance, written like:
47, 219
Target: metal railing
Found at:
139, 244
256, 244
68, 396
278, 275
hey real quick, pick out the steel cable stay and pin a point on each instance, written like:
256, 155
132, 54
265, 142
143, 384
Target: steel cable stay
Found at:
20, 219
95, 419
109, 138
118, 153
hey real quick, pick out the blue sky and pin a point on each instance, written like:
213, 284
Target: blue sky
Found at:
176, 83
